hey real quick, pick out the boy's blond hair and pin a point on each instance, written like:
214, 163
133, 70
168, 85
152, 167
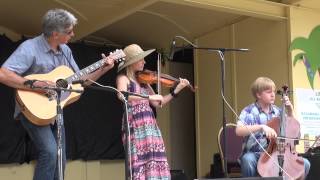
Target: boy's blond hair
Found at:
261, 84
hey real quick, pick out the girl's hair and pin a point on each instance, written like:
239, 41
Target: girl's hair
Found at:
261, 84
127, 71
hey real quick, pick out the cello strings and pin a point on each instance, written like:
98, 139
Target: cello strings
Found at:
252, 134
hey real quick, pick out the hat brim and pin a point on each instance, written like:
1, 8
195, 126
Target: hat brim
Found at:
134, 59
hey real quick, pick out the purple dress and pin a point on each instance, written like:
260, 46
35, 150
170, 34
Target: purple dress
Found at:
148, 157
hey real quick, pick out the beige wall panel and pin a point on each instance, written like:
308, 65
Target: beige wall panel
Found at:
16, 171
268, 56
208, 101
79, 170
112, 170
76, 170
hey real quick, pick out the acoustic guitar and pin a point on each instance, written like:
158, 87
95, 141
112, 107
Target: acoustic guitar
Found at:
40, 108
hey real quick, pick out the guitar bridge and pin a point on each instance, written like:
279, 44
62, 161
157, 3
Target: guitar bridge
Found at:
51, 95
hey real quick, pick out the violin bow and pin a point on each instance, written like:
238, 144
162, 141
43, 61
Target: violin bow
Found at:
158, 73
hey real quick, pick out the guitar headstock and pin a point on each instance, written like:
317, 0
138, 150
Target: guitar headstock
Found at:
118, 55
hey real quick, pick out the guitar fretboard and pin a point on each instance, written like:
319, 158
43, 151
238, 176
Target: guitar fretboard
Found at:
89, 69
117, 55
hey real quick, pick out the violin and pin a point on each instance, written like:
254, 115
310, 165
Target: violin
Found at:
281, 150
151, 77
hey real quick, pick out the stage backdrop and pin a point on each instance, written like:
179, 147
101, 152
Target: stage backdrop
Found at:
93, 123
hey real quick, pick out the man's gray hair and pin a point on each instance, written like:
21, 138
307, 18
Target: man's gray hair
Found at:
57, 20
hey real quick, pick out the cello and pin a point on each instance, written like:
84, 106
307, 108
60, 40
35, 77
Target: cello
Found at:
281, 158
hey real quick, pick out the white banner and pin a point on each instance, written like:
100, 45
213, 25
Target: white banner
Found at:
308, 111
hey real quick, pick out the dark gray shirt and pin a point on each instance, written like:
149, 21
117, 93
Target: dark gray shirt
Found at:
35, 56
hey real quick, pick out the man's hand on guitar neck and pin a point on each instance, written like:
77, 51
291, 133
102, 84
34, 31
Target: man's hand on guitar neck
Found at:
109, 62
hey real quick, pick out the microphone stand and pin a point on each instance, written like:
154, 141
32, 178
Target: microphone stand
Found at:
59, 121
221, 52
127, 145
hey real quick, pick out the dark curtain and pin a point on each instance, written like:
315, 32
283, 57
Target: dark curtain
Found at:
93, 124
13, 138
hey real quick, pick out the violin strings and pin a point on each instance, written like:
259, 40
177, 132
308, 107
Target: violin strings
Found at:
166, 76
252, 134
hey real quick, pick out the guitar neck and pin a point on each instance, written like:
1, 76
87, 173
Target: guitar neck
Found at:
117, 55
89, 69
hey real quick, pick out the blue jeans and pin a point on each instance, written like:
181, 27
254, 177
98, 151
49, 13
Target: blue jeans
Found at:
249, 161
45, 140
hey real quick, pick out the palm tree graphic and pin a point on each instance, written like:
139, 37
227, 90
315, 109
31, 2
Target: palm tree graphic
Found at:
310, 54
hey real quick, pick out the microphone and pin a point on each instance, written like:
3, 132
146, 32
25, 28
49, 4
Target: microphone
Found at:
244, 49
232, 49
80, 81
172, 49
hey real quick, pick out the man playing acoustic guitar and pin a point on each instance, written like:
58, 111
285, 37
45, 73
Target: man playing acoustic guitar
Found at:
41, 55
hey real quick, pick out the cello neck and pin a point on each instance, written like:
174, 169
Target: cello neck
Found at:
283, 119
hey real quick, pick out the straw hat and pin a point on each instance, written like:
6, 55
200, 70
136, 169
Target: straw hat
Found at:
134, 53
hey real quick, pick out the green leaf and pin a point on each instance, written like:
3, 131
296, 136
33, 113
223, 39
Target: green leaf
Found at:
299, 43
311, 52
315, 34
298, 57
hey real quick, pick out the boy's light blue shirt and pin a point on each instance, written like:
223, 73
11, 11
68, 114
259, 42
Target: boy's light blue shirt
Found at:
252, 115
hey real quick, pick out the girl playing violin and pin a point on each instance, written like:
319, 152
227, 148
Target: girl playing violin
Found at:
254, 117
148, 156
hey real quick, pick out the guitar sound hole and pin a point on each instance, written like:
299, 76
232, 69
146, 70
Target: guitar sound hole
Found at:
62, 83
